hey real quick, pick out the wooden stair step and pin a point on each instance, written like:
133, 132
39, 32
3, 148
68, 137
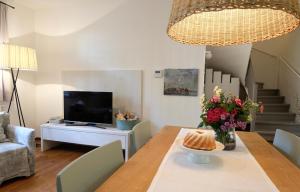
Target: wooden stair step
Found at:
271, 99
273, 125
268, 92
276, 107
278, 116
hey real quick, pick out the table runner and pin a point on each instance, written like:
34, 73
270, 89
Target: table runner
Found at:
228, 171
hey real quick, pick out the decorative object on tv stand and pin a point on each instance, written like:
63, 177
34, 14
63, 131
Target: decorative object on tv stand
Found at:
126, 121
182, 82
231, 22
14, 57
56, 120
225, 114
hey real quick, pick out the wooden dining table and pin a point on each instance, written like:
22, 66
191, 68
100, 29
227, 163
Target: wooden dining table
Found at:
138, 172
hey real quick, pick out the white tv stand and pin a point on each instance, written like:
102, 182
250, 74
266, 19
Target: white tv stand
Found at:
53, 134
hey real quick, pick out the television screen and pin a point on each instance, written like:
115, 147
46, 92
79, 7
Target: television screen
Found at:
91, 107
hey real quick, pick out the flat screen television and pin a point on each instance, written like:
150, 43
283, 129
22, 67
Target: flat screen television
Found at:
88, 107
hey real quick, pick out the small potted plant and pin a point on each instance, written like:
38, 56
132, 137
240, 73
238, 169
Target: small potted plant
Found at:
224, 114
126, 121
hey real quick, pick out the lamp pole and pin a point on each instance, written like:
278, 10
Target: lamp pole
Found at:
15, 93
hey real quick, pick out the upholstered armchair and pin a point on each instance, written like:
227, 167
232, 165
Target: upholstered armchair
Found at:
17, 155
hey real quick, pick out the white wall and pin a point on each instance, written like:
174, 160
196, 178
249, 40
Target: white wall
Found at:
266, 69
68, 16
20, 21
286, 49
21, 32
289, 84
290, 75
274, 46
126, 86
291, 53
128, 37
287, 46
107, 35
231, 60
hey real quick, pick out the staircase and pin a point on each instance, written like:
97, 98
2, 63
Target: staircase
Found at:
276, 114
229, 84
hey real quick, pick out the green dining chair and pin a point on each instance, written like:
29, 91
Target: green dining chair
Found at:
288, 144
89, 171
141, 135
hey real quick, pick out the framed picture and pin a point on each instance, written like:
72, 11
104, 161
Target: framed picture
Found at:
182, 82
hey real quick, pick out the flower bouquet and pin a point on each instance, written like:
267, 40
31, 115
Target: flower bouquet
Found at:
126, 121
225, 114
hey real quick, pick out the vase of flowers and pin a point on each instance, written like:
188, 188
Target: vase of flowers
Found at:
224, 114
126, 121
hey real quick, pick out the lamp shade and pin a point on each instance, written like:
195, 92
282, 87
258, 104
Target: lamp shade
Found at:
231, 22
17, 57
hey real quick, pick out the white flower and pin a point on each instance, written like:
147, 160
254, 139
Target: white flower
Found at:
202, 100
249, 119
217, 91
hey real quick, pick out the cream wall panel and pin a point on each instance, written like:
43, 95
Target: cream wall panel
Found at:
230, 59
128, 37
126, 86
228, 84
266, 69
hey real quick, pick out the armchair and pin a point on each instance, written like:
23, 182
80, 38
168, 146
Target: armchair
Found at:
17, 156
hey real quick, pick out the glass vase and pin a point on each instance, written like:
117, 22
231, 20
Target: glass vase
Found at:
227, 138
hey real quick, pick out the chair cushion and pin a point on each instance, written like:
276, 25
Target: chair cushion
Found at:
4, 121
13, 161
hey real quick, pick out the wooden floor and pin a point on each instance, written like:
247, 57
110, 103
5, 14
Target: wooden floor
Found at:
48, 164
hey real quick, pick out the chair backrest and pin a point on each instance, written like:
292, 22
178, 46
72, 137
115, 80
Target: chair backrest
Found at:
288, 144
141, 134
89, 171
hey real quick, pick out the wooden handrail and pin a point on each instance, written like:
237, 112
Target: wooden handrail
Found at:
281, 59
263, 52
7, 5
289, 66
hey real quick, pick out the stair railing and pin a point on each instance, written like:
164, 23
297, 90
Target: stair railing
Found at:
284, 64
292, 69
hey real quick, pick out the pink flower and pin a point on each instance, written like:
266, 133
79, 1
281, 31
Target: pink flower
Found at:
238, 102
242, 125
223, 128
223, 117
233, 125
215, 99
261, 108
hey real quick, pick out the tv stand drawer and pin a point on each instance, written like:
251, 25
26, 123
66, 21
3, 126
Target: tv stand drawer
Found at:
81, 137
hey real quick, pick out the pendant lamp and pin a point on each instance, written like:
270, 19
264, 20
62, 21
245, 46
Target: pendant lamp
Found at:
231, 22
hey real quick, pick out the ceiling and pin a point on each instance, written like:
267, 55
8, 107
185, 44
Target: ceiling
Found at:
44, 4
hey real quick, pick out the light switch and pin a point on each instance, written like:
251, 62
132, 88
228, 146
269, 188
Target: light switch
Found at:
158, 74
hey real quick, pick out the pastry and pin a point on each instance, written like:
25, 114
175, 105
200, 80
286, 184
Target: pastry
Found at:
200, 140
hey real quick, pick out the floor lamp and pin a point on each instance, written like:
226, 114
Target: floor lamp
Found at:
17, 58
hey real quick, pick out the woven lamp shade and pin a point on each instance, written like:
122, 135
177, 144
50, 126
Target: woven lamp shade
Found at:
17, 57
231, 22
